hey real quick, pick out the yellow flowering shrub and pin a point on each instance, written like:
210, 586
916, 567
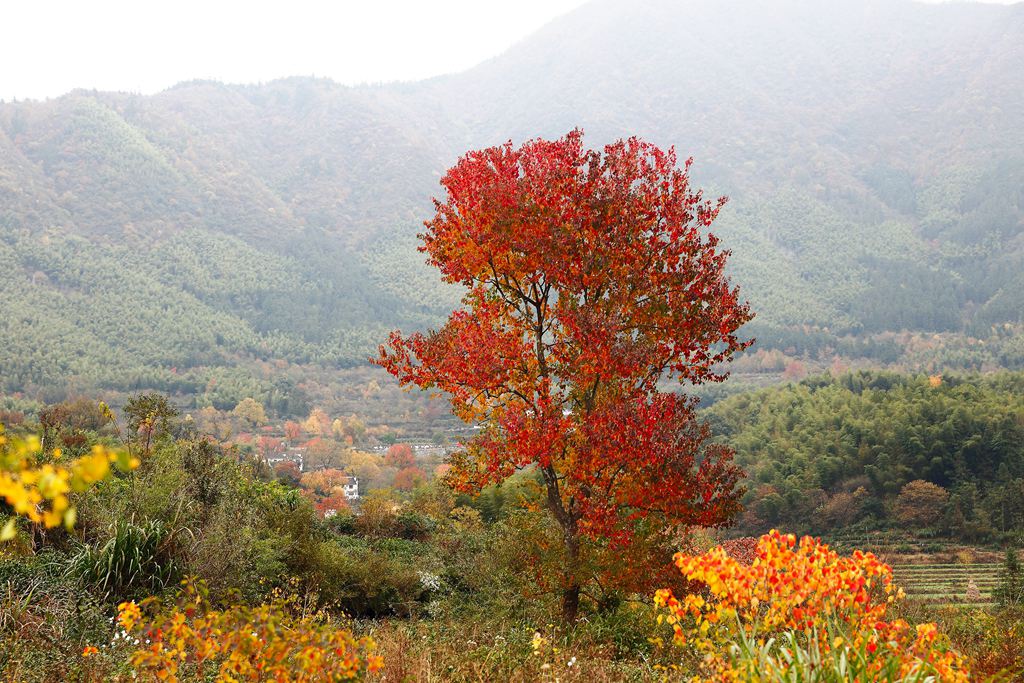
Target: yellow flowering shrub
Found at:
37, 484
797, 611
195, 641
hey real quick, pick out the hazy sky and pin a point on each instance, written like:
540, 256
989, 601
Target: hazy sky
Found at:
48, 47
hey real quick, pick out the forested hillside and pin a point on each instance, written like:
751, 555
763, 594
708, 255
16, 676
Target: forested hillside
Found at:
198, 237
832, 453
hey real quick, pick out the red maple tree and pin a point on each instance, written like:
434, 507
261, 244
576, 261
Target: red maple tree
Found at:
400, 455
408, 478
590, 278
292, 430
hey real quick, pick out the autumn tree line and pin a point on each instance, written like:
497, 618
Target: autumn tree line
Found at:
827, 455
318, 455
188, 507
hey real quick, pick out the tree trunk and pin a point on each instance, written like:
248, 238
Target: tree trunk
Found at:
564, 515
571, 592
571, 604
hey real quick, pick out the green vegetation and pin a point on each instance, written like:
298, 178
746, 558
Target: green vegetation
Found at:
1009, 591
407, 566
869, 450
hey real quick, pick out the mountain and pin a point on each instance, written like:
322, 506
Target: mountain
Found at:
200, 240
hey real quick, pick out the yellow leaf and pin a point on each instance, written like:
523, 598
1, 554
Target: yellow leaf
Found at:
70, 516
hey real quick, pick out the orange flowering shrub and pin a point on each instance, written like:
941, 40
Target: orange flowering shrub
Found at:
266, 643
800, 608
36, 484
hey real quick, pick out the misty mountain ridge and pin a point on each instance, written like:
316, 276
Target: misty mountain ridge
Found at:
872, 153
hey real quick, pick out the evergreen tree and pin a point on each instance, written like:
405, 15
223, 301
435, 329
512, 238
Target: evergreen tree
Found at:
1010, 592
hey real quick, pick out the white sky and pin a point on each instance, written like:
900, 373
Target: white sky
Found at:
48, 47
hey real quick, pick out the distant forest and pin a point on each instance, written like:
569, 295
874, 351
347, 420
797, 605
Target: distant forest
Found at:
874, 450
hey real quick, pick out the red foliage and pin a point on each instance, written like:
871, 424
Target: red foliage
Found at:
743, 550
794, 371
270, 445
590, 277
335, 501
409, 478
288, 471
400, 456
292, 430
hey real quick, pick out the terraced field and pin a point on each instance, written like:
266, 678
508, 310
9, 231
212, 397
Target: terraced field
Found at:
935, 571
948, 583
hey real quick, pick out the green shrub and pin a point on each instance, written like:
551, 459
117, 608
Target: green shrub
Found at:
343, 523
366, 582
1010, 591
135, 561
413, 525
